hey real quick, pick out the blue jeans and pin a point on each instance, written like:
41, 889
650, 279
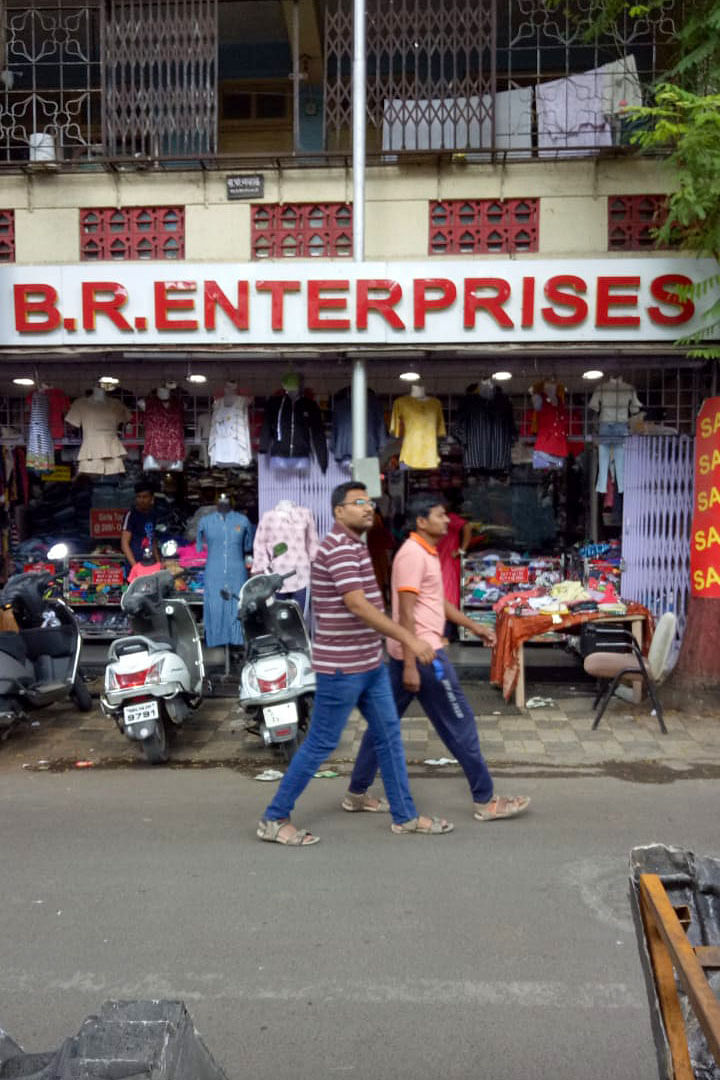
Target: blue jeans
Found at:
335, 697
611, 436
449, 711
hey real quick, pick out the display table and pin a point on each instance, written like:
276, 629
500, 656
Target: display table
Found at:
507, 666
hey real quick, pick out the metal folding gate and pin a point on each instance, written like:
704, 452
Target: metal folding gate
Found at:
657, 516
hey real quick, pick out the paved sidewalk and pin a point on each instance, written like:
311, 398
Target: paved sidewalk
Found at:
552, 737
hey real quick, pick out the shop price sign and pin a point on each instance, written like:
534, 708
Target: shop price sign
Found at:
30, 567
108, 575
705, 541
512, 575
106, 524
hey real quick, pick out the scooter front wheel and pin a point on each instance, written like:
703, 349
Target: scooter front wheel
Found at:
81, 695
155, 747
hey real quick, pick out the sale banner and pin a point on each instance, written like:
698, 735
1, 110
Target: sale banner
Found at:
511, 575
705, 536
106, 524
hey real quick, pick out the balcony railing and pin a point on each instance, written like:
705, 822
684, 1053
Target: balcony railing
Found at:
138, 81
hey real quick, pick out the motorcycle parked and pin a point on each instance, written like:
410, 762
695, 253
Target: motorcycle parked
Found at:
39, 664
154, 677
277, 683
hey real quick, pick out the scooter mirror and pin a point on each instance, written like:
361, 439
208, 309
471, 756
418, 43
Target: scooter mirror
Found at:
279, 549
57, 552
226, 594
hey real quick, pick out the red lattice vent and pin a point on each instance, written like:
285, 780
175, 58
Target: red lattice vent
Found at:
632, 220
7, 236
301, 230
483, 226
133, 232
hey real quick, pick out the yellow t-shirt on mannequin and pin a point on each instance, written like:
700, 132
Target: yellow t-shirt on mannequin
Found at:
420, 422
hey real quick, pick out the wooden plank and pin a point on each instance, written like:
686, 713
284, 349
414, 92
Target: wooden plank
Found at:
689, 970
708, 955
670, 1006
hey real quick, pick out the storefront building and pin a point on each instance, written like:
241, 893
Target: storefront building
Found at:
208, 251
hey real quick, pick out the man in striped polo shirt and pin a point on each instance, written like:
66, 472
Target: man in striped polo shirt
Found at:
350, 672
420, 605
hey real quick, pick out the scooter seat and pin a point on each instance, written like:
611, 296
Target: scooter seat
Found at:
126, 646
13, 645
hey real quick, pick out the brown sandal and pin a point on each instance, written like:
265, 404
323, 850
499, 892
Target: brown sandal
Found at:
501, 807
270, 831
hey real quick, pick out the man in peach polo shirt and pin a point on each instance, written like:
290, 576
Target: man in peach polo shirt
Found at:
419, 605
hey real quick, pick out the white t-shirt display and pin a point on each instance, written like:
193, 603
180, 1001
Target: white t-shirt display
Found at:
615, 401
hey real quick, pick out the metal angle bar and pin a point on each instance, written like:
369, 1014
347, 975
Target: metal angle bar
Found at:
684, 960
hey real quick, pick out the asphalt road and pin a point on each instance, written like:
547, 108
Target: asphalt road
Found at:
500, 951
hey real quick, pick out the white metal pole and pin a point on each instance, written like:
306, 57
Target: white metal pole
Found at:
359, 93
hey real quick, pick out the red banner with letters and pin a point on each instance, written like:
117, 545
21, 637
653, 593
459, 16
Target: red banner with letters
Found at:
108, 575
106, 524
705, 537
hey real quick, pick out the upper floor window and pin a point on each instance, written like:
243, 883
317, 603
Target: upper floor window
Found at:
301, 230
483, 226
133, 232
7, 236
632, 220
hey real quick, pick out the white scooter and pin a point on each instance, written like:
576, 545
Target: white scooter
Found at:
277, 683
154, 677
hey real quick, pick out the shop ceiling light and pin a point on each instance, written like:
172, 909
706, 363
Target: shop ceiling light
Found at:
501, 376
197, 378
592, 374
24, 380
108, 380
410, 376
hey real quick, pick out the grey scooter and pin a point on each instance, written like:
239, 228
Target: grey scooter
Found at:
39, 663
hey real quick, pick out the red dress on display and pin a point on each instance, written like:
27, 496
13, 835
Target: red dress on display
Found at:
164, 430
552, 429
450, 566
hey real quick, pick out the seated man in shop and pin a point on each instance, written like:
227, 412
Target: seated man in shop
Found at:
138, 528
420, 606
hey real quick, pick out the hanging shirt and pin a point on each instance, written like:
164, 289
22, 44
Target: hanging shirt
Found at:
229, 539
291, 525
229, 439
40, 445
164, 429
420, 422
615, 400
292, 427
342, 425
552, 428
101, 451
485, 428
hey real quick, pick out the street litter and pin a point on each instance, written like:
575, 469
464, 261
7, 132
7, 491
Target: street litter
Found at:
44, 765
35, 723
84, 764
539, 703
325, 774
440, 761
269, 774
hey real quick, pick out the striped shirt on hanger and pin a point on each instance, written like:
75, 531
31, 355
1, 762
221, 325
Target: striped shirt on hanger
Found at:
342, 641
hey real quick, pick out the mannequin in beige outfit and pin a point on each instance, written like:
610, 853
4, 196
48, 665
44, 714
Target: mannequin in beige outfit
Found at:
101, 452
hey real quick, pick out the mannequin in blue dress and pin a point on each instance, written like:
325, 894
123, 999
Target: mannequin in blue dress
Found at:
228, 536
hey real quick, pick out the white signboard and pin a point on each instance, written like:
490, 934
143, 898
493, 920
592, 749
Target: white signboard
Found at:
306, 303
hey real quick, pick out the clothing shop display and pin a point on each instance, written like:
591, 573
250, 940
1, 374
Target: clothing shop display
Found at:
551, 421
292, 428
419, 420
164, 432
40, 445
228, 536
58, 404
615, 401
101, 451
342, 425
293, 526
485, 428
229, 437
